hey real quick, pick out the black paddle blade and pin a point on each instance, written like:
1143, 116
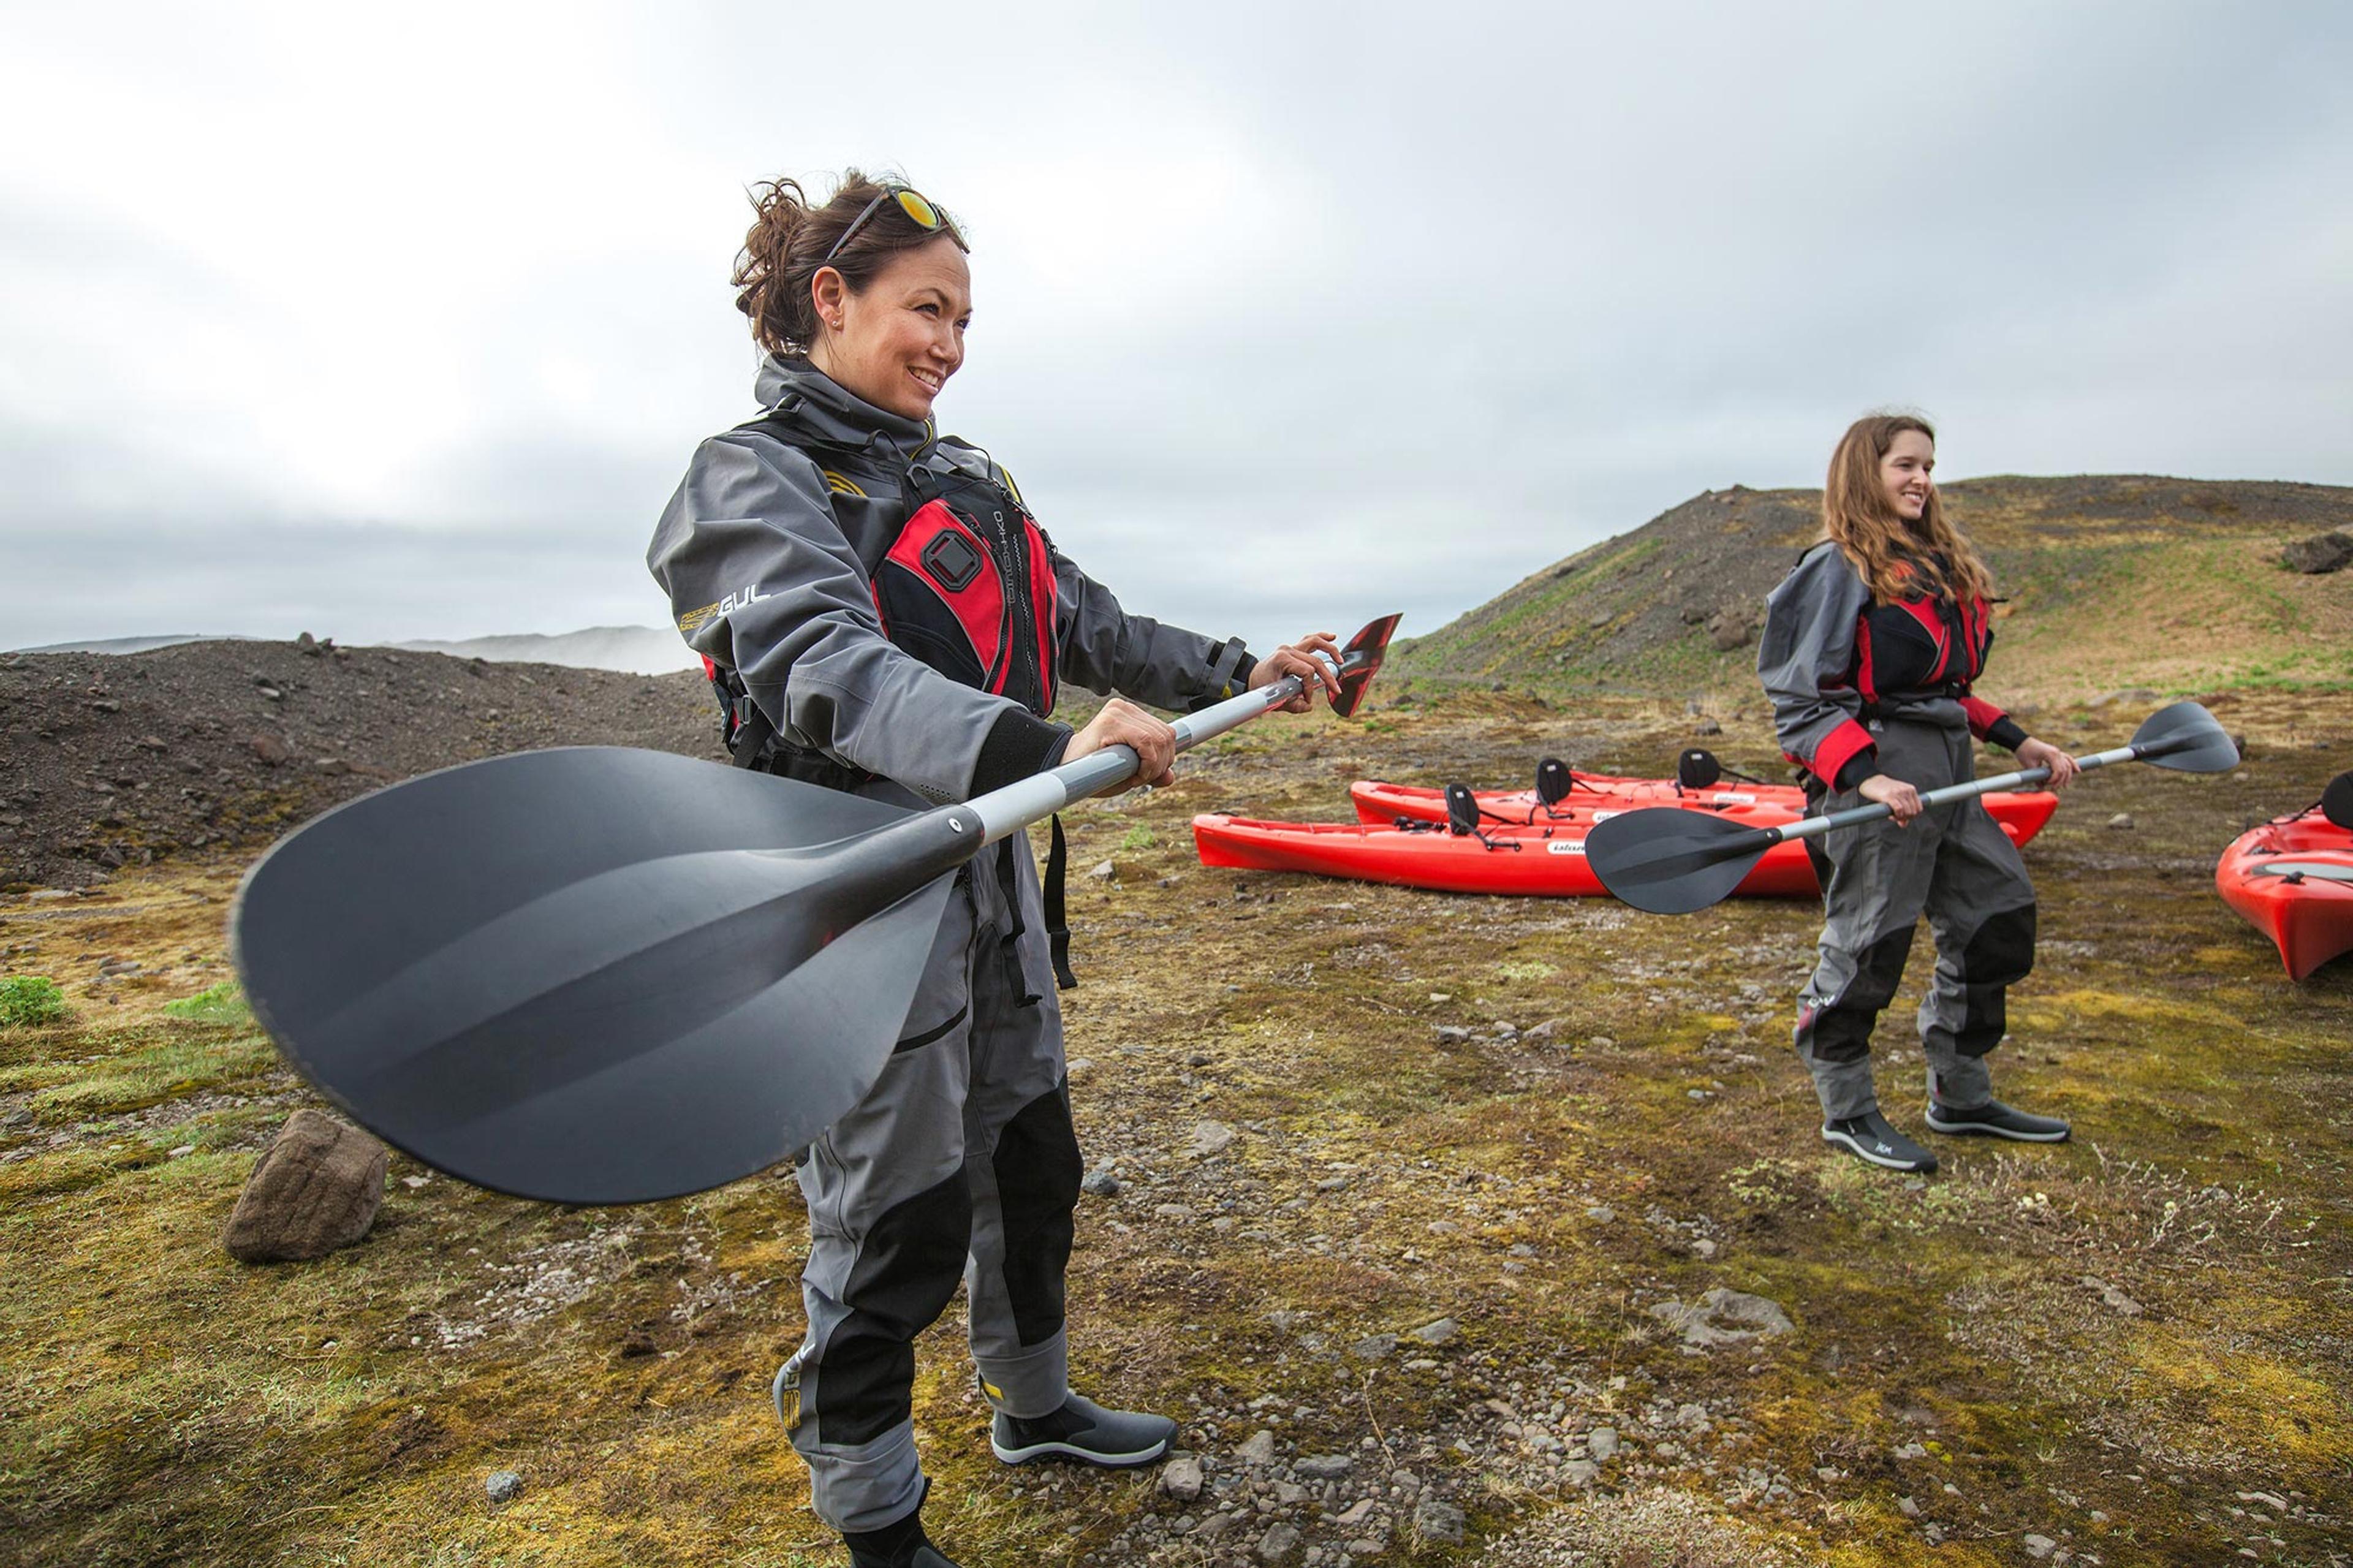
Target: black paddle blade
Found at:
1373, 642
1672, 862
2186, 739
1554, 781
595, 976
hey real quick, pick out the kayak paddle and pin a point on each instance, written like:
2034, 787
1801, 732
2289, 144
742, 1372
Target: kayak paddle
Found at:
598, 974
1672, 862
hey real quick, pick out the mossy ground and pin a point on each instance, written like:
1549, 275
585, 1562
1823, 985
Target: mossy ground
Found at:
2135, 1344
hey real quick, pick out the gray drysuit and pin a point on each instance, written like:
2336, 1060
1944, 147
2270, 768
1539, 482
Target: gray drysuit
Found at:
962, 1160
1859, 689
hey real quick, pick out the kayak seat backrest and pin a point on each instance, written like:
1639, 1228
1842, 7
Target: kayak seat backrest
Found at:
1461, 809
1698, 768
1554, 781
2336, 800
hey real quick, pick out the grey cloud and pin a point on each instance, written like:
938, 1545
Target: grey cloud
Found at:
1526, 276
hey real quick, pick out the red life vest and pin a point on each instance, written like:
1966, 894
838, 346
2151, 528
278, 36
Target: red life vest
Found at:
968, 587
1926, 647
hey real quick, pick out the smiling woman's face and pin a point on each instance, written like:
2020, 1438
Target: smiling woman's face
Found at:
896, 343
1905, 474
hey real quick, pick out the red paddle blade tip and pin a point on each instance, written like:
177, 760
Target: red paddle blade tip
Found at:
1363, 656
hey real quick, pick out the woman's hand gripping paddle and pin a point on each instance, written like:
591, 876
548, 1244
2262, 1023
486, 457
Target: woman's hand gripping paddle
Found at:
1673, 862
602, 975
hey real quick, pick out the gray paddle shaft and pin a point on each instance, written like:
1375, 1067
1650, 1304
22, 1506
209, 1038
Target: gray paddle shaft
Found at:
1033, 799
1815, 826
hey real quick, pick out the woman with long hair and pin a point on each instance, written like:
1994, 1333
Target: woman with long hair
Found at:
882, 615
1871, 648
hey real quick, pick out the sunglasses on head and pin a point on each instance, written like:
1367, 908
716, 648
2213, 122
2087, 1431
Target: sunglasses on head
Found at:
924, 215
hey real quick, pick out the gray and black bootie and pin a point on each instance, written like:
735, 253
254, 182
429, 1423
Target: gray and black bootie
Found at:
1869, 1136
1084, 1431
1995, 1120
898, 1544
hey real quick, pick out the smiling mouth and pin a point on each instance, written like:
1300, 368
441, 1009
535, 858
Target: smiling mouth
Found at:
931, 381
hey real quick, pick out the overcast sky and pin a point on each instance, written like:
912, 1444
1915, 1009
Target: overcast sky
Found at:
392, 323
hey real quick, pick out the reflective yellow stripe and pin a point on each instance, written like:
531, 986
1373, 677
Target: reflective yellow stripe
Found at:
841, 485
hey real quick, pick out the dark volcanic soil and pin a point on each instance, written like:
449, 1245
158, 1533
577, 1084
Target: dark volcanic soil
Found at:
115, 760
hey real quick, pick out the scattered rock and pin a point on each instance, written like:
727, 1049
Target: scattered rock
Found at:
2112, 1299
1602, 1444
1731, 627
268, 749
637, 1343
1277, 1543
1707, 727
1452, 1033
1100, 1184
1324, 1467
2122, 819
1723, 1317
1209, 1137
1907, 1507
1259, 1450
2322, 552
1180, 1477
1105, 872
1581, 1472
2038, 1546
1439, 1333
1438, 1520
1376, 1347
317, 1187
502, 1485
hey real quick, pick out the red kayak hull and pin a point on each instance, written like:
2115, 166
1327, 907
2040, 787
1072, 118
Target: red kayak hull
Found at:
2310, 919
2021, 813
1547, 862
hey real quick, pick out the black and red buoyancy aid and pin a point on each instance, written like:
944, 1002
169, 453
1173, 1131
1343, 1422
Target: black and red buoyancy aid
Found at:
1921, 646
968, 587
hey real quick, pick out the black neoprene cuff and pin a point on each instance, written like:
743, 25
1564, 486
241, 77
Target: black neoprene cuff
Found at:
1858, 767
2004, 733
1226, 679
1018, 746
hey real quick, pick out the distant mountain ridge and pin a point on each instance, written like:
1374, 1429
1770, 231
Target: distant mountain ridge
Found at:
635, 650
2111, 582
641, 650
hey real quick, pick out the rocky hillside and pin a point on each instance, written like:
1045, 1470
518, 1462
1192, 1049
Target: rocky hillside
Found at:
115, 760
2112, 582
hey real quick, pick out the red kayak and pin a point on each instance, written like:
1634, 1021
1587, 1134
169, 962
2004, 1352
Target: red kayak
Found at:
1544, 861
2021, 813
2293, 881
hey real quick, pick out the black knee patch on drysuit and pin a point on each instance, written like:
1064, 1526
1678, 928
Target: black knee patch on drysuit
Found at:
1999, 956
1841, 1031
906, 1273
1038, 1169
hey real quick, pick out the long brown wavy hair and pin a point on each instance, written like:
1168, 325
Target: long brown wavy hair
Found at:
1896, 558
786, 245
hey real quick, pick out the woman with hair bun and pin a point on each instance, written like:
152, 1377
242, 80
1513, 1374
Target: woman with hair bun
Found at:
882, 615
1870, 648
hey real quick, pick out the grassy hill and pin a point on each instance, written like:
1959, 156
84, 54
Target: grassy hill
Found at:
2113, 581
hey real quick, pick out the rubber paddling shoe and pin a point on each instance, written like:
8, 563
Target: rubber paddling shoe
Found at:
1869, 1137
903, 1544
1084, 1431
1996, 1119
